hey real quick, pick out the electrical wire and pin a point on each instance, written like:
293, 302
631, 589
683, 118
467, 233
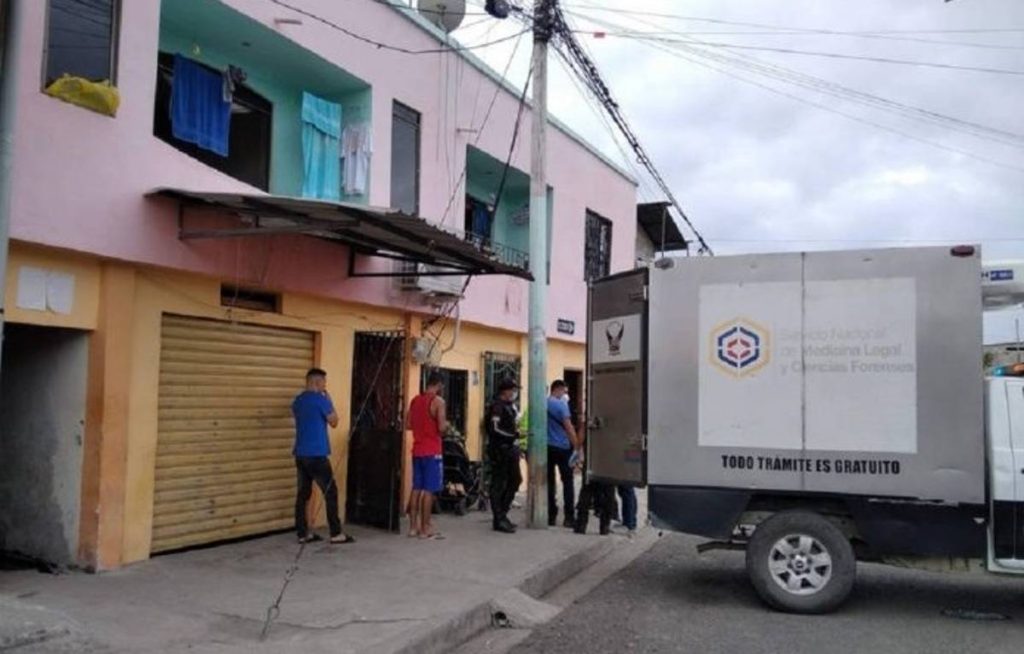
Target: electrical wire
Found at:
483, 123
274, 609
718, 21
515, 136
385, 46
816, 33
422, 10
823, 86
839, 112
830, 55
588, 99
586, 70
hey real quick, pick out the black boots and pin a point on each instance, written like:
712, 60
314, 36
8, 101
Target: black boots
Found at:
504, 526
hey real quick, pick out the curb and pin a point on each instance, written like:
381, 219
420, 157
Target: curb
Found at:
452, 632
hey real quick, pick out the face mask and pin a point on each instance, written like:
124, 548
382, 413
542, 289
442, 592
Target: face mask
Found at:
515, 396
565, 398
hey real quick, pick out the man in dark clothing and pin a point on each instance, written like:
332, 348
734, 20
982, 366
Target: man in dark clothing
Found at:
313, 412
503, 452
600, 497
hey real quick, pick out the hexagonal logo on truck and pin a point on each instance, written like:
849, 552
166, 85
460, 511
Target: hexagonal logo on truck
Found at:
740, 347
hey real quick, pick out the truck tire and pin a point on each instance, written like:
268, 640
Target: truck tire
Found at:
799, 562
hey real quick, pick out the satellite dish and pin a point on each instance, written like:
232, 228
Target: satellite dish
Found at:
446, 14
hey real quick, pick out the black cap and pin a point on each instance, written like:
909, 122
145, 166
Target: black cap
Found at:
507, 384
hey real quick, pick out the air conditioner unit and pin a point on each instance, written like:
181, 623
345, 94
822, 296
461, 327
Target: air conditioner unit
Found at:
417, 277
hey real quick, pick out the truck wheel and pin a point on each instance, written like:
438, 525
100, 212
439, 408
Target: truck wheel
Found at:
801, 563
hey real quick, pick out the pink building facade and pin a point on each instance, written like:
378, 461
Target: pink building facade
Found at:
147, 310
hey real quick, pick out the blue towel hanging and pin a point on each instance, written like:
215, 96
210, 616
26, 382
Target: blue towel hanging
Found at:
321, 148
199, 113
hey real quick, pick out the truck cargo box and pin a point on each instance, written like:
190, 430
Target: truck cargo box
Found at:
852, 373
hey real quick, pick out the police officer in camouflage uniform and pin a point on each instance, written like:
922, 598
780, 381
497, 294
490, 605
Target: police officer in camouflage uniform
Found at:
504, 454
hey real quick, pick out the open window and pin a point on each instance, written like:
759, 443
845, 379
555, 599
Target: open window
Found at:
249, 136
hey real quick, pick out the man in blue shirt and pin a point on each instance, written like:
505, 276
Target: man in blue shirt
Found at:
562, 440
314, 411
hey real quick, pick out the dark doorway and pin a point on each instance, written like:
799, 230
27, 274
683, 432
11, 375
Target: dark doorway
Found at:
456, 386
375, 448
42, 418
574, 380
479, 221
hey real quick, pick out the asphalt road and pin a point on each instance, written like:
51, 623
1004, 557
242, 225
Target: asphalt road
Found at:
673, 600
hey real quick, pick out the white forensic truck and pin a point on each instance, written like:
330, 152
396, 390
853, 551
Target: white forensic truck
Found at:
813, 409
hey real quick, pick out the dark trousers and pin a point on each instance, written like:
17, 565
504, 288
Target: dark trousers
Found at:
318, 469
602, 498
559, 458
627, 494
505, 480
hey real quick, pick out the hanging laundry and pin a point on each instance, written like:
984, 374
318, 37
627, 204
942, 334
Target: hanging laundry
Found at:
232, 77
321, 148
482, 221
199, 113
357, 148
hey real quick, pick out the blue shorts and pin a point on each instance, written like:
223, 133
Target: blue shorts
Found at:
428, 473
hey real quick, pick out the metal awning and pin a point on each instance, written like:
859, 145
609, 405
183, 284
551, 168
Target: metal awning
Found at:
367, 231
653, 218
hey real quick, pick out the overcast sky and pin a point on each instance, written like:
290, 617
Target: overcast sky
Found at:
763, 169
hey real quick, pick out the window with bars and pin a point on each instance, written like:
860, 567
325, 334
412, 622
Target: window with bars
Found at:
598, 252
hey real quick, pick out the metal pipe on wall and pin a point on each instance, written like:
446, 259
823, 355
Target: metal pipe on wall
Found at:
8, 105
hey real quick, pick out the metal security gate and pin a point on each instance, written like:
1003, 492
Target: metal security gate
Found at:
224, 467
374, 485
497, 367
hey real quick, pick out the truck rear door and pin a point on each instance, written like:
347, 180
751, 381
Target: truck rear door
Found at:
1006, 465
1015, 400
617, 379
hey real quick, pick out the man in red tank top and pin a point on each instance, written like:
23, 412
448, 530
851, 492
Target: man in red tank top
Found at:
428, 422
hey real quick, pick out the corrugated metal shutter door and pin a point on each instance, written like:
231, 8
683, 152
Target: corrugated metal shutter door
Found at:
223, 462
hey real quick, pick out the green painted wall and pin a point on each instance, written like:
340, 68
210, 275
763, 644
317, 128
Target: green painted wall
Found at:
286, 137
514, 198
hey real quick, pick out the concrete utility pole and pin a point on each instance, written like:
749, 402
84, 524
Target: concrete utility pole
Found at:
8, 103
538, 443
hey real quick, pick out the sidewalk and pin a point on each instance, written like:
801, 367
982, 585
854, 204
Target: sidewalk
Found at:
385, 593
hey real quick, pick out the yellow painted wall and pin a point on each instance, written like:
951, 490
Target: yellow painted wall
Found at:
159, 292
124, 304
85, 270
468, 354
